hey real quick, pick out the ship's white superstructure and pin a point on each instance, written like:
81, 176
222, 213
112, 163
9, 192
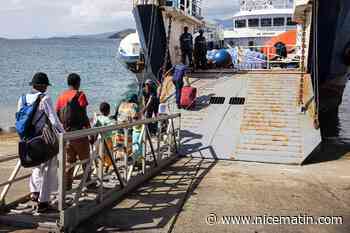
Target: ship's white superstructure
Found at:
260, 20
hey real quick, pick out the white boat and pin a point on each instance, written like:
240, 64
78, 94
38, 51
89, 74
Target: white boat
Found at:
129, 50
259, 21
159, 25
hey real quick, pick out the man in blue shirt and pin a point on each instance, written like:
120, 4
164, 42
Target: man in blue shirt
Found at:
186, 43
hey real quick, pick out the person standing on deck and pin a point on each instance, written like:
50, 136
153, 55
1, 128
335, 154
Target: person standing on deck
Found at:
186, 44
200, 51
178, 81
71, 107
43, 180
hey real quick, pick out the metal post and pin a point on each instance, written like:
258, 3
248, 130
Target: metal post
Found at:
111, 157
174, 136
268, 58
179, 141
61, 180
158, 140
149, 139
126, 134
7, 187
169, 139
100, 167
144, 146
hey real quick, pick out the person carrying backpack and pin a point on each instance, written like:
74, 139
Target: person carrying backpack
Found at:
71, 108
43, 180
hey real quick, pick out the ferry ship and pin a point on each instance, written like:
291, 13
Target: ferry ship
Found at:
259, 21
268, 116
261, 116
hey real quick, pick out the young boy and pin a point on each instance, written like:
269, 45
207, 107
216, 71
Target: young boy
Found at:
104, 120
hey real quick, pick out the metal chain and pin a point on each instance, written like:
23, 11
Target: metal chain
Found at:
303, 46
166, 57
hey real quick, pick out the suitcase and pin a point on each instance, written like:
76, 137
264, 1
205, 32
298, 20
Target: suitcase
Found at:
188, 97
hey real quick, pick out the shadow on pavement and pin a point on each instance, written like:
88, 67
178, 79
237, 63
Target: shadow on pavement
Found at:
156, 205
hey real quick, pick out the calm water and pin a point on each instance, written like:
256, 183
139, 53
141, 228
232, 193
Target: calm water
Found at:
104, 78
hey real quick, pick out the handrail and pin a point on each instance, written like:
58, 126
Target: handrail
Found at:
8, 158
151, 156
96, 156
93, 131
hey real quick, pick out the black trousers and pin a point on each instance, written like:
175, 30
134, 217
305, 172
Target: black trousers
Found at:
201, 59
187, 54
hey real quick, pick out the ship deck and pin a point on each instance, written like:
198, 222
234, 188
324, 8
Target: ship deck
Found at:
249, 117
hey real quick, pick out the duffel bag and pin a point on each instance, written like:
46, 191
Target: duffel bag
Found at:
40, 149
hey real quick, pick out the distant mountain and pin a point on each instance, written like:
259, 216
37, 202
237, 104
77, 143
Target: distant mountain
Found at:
122, 34
107, 35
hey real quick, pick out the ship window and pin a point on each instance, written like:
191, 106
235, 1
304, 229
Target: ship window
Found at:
290, 22
253, 23
266, 22
242, 23
278, 21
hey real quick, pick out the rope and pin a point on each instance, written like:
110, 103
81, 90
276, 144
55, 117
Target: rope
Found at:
166, 56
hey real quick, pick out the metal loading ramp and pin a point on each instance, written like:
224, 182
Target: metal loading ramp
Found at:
259, 119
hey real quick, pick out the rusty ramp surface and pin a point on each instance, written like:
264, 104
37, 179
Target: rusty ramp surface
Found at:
250, 117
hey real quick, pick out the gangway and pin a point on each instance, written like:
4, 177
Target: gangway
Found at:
80, 203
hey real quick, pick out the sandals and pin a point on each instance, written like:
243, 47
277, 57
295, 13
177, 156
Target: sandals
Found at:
34, 197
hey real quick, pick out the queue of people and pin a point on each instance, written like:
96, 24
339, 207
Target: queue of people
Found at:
198, 51
70, 114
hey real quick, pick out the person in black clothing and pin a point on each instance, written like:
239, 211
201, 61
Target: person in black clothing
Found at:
186, 42
151, 101
200, 50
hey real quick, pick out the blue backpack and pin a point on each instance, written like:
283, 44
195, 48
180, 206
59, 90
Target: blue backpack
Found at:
24, 118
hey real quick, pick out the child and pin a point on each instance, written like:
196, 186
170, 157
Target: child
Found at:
104, 120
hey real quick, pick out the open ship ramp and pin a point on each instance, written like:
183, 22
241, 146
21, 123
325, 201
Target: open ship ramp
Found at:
251, 117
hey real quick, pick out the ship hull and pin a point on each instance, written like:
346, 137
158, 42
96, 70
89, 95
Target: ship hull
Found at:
160, 29
151, 30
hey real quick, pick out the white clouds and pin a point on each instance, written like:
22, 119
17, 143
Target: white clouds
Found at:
44, 18
101, 11
219, 9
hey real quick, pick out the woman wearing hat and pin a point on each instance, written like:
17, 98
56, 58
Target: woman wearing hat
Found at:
44, 178
151, 101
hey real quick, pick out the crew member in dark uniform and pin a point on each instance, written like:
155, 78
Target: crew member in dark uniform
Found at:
186, 42
200, 51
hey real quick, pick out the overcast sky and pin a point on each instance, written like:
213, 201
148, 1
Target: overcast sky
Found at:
46, 18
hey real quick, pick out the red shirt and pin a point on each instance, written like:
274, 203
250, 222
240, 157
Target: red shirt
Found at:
67, 96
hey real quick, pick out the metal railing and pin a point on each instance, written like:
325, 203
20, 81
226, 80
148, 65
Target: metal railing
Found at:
192, 8
154, 153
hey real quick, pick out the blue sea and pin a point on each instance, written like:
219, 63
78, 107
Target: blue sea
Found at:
104, 78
